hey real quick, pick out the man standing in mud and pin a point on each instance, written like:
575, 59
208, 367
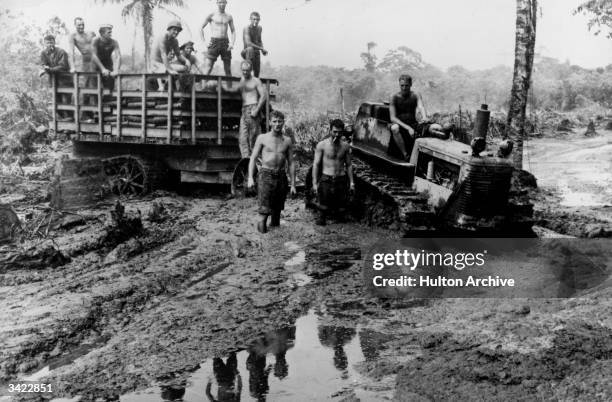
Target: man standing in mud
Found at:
403, 108
276, 151
251, 36
253, 99
336, 179
82, 41
220, 44
106, 56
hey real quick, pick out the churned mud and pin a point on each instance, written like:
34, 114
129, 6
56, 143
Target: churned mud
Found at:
176, 297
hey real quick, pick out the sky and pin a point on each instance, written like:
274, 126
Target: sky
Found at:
476, 34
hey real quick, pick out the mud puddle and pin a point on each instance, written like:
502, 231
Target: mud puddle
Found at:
304, 362
295, 265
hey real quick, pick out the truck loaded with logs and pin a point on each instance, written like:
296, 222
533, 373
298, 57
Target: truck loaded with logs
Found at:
134, 138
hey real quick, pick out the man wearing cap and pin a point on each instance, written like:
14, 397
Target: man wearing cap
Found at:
220, 45
186, 50
55, 60
105, 54
251, 36
166, 46
336, 179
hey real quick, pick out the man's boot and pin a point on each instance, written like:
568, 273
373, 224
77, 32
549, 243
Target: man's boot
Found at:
275, 220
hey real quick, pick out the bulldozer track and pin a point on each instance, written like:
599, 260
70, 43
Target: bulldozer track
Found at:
388, 201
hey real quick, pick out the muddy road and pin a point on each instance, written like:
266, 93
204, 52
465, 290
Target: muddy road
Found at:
179, 298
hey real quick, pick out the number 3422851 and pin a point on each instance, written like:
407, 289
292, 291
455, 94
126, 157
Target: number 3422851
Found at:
29, 387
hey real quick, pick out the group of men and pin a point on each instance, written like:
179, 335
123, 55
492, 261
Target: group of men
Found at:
332, 174
102, 53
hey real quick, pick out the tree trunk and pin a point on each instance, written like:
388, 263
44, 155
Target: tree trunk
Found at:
523, 64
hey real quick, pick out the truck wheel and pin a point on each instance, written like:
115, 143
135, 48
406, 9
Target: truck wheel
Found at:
127, 175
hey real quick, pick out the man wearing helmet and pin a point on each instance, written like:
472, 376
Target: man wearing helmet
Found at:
220, 45
332, 162
167, 45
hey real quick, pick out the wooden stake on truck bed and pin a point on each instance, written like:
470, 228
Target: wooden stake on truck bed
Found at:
119, 107
54, 102
100, 116
219, 111
77, 104
193, 111
170, 101
143, 110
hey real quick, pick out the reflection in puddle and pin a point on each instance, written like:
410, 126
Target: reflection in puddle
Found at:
305, 362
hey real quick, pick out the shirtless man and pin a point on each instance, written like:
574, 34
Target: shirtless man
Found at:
253, 98
337, 176
106, 56
251, 35
403, 108
82, 41
220, 45
276, 150
166, 45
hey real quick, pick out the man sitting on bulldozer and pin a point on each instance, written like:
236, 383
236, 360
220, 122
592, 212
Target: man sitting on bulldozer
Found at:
403, 108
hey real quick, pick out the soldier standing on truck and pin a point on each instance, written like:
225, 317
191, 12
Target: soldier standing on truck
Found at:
276, 151
253, 99
403, 108
337, 175
219, 44
55, 60
251, 36
105, 53
82, 41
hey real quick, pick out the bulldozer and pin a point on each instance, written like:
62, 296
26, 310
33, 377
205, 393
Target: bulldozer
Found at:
452, 184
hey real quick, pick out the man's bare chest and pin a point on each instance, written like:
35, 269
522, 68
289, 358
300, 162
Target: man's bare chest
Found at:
220, 19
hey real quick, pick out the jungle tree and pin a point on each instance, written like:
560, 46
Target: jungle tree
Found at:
523, 64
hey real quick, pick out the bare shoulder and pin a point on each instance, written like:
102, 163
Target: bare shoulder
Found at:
209, 17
